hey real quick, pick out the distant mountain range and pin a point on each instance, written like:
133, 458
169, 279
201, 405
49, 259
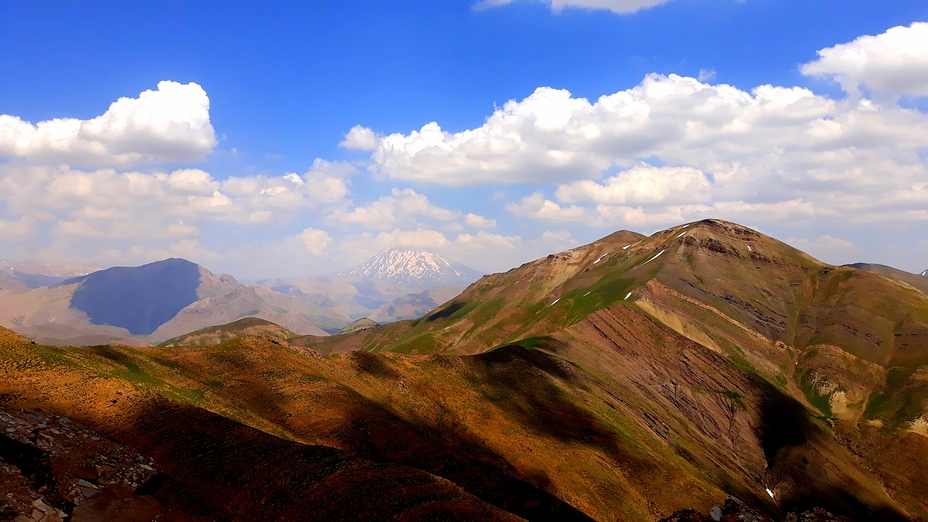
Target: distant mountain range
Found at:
34, 273
64, 304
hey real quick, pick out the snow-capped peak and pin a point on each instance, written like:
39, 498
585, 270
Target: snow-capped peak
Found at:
413, 267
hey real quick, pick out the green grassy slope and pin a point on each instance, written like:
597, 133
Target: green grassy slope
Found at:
213, 335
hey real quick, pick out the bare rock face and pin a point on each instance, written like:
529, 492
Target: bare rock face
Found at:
54, 469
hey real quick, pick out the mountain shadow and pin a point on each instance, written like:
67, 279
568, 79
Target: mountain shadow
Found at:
139, 299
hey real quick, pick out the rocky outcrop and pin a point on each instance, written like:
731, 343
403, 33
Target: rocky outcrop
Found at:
736, 511
54, 469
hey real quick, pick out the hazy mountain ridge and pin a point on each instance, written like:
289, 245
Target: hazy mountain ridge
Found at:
36, 273
169, 298
152, 302
413, 306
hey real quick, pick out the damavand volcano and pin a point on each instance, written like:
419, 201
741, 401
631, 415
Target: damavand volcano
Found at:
632, 378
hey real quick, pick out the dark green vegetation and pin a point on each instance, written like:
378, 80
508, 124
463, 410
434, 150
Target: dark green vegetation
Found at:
621, 380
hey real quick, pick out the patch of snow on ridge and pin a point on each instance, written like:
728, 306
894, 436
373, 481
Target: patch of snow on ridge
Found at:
627, 296
681, 234
588, 293
770, 492
925, 273
653, 258
555, 302
626, 248
601, 258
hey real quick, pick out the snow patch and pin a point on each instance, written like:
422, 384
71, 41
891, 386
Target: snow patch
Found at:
601, 258
750, 249
653, 258
555, 301
681, 234
770, 493
626, 248
588, 293
627, 296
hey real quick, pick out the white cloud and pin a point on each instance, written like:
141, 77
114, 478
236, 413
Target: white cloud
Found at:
360, 138
616, 6
189, 249
895, 61
827, 248
401, 207
104, 203
706, 75
315, 240
722, 149
16, 230
537, 207
642, 184
475, 221
169, 124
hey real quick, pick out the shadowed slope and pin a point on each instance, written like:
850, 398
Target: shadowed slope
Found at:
139, 299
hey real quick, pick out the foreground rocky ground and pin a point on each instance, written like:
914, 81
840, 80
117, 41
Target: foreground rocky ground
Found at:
54, 469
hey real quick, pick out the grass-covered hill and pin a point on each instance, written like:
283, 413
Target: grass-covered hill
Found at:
214, 335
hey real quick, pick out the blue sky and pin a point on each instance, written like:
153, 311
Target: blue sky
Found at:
286, 82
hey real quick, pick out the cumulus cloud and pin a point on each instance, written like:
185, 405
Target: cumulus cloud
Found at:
642, 184
105, 203
359, 138
616, 6
16, 230
783, 151
405, 208
895, 61
315, 240
536, 206
402, 206
475, 221
170, 124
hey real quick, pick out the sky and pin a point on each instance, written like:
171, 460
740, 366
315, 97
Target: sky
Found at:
289, 139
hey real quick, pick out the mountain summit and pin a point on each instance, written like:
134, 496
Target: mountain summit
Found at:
414, 268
